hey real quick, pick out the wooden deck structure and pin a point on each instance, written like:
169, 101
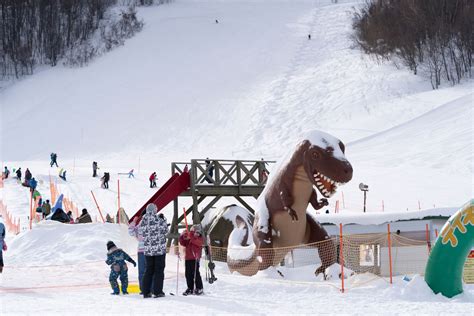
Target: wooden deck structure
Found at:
212, 179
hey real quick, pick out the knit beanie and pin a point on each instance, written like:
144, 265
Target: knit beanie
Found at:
110, 244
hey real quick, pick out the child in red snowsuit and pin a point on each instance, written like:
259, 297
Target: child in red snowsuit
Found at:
193, 241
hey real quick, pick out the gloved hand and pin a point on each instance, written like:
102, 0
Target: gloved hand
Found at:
134, 264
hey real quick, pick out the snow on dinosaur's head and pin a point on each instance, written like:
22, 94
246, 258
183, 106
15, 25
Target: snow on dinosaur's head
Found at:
325, 162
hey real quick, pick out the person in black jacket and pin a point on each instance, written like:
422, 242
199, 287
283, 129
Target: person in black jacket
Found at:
18, 174
60, 216
105, 180
94, 169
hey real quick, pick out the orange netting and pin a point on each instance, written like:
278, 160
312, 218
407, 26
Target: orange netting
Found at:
12, 224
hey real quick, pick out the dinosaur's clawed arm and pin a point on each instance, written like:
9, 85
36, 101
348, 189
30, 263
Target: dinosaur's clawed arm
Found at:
287, 201
315, 203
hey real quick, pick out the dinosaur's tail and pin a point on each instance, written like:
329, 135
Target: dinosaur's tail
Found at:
241, 252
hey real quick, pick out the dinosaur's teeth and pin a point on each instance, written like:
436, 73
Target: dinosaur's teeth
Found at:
318, 183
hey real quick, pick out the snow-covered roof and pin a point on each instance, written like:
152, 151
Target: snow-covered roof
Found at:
380, 218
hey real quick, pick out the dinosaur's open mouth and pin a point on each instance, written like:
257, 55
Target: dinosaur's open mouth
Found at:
326, 185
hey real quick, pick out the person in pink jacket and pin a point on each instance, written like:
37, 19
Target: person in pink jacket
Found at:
193, 241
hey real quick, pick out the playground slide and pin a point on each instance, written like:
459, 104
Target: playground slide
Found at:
177, 184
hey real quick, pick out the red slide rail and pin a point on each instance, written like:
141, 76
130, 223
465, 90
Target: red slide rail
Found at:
177, 184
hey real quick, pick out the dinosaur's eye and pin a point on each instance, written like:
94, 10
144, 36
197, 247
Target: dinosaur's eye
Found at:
343, 148
315, 155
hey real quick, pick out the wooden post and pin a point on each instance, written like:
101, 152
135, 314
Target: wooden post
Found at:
383, 206
185, 219
341, 257
436, 232
389, 251
428, 242
343, 203
97, 204
31, 207
118, 198
419, 205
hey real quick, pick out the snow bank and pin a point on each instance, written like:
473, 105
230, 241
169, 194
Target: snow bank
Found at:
54, 243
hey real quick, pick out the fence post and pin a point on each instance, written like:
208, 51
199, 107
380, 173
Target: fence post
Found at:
389, 251
428, 242
103, 220
341, 257
383, 206
31, 207
343, 202
118, 197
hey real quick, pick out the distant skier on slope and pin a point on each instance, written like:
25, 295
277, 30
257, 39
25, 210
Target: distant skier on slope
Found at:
18, 174
105, 180
54, 158
6, 173
94, 169
62, 174
153, 180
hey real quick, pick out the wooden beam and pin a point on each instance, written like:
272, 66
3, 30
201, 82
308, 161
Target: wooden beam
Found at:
238, 198
208, 207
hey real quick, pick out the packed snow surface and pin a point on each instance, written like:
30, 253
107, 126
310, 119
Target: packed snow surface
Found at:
244, 88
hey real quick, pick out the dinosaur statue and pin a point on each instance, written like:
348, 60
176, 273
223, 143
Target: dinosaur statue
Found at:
281, 220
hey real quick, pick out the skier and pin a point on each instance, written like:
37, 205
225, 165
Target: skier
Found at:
6, 173
153, 180
105, 180
116, 259
18, 174
62, 174
130, 174
94, 169
54, 158
309, 36
154, 229
193, 241
3, 245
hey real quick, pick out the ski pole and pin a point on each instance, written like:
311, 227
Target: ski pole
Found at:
185, 220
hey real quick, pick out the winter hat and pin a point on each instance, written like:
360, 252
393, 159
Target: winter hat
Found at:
197, 228
151, 208
110, 244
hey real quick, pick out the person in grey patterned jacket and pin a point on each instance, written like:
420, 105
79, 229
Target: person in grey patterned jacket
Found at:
154, 229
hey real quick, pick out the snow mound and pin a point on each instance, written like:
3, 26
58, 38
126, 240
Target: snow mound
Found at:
53, 243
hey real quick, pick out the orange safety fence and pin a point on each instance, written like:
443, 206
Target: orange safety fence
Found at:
365, 257
12, 224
